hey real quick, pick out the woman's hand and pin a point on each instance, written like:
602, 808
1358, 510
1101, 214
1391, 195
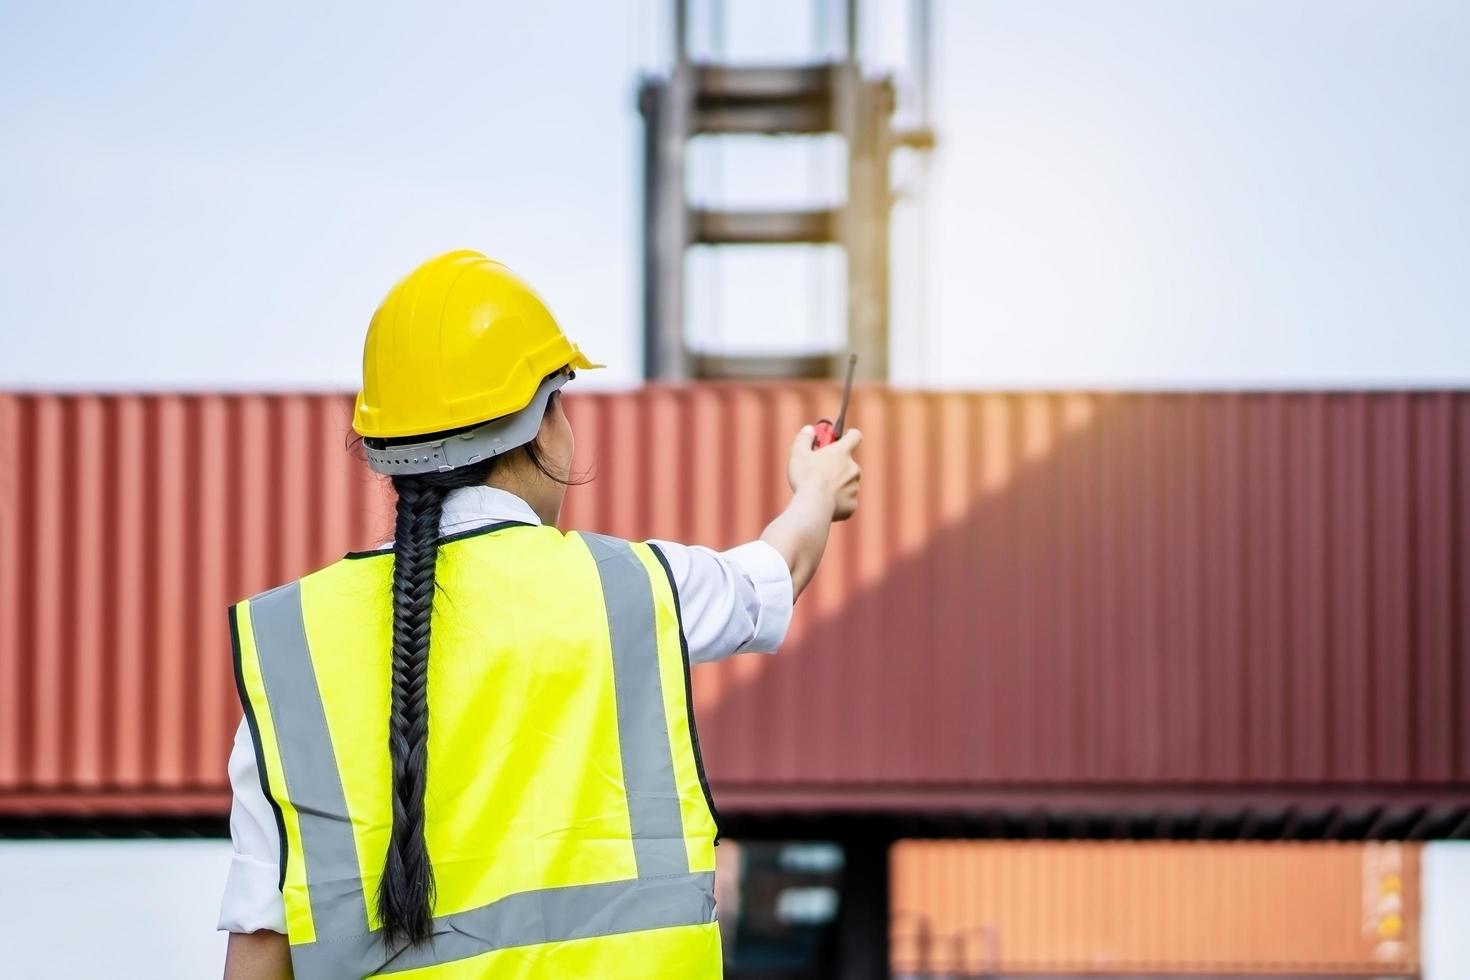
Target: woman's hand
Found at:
829, 472
824, 485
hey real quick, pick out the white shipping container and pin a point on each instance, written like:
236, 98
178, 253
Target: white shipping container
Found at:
124, 909
1445, 910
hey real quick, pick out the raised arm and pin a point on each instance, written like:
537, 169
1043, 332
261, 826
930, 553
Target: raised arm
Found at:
824, 488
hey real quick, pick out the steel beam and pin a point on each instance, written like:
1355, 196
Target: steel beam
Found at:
815, 227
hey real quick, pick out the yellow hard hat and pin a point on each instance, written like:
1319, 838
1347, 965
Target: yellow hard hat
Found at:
460, 341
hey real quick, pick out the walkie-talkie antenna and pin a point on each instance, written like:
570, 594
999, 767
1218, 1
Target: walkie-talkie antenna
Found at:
846, 394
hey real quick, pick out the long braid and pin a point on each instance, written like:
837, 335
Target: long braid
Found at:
406, 893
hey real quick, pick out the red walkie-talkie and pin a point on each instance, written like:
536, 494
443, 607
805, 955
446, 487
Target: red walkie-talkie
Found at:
828, 432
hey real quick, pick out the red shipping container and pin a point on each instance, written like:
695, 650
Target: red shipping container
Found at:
1069, 602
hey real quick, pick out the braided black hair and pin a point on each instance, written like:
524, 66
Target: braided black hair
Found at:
406, 892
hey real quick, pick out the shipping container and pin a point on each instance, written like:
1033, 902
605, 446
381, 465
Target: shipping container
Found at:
1444, 897
1058, 606
1017, 908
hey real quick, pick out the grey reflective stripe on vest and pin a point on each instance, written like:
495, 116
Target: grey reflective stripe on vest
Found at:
664, 894
524, 919
643, 731
333, 878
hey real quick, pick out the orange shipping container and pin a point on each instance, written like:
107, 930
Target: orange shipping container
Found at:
1036, 908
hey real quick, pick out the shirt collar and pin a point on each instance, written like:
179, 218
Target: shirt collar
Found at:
469, 506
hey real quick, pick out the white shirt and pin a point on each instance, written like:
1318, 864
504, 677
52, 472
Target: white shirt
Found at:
734, 601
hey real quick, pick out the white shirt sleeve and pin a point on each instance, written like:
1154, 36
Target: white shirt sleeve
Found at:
252, 899
734, 601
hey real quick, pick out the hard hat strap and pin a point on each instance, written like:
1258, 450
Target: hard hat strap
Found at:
474, 445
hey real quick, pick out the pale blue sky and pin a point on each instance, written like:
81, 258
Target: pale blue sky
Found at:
1160, 194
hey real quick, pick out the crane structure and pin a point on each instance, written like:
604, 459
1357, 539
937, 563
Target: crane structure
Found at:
697, 98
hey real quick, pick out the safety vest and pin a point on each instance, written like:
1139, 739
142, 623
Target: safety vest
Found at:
567, 816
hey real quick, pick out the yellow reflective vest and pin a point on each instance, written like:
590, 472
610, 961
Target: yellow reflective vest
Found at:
567, 817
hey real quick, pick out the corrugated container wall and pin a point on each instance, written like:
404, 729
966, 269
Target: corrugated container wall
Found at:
1042, 593
978, 909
